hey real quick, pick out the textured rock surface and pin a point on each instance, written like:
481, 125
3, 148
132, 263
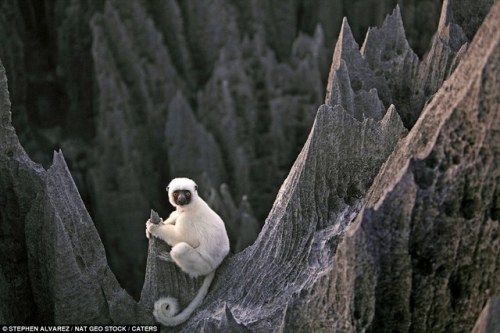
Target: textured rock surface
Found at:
20, 185
448, 45
422, 254
489, 320
163, 279
125, 180
53, 267
388, 54
66, 253
319, 206
352, 83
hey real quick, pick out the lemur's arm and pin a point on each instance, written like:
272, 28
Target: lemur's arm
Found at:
166, 232
172, 218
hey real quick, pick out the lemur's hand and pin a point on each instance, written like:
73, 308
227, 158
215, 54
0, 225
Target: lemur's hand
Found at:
150, 228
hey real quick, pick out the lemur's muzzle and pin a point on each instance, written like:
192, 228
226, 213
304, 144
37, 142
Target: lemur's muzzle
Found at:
181, 199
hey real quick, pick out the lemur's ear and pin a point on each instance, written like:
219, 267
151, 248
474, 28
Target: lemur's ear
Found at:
196, 187
167, 188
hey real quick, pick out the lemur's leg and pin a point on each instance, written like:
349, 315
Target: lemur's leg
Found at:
190, 260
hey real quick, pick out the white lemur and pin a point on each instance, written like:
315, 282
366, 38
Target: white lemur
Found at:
199, 244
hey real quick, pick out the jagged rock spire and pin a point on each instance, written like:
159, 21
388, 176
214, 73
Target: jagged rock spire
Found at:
448, 47
387, 43
351, 83
388, 53
193, 154
346, 46
337, 162
426, 239
64, 251
448, 29
54, 241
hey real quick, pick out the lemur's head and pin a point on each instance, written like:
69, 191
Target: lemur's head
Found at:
182, 191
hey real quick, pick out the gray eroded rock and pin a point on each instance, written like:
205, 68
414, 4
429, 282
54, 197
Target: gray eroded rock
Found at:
224, 110
334, 169
257, 108
20, 183
469, 15
489, 319
311, 267
388, 53
76, 71
439, 62
422, 254
55, 270
351, 79
165, 279
191, 150
12, 53
133, 100
154, 217
388, 267
66, 253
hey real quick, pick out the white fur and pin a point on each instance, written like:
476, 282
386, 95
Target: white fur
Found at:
166, 307
199, 244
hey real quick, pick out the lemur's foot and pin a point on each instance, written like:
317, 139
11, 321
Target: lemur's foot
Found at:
165, 256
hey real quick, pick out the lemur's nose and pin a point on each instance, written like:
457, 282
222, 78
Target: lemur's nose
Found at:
181, 199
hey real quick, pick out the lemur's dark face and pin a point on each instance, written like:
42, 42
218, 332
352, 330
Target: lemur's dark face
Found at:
182, 197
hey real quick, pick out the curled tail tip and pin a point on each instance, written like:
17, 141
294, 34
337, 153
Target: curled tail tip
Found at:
166, 307
166, 311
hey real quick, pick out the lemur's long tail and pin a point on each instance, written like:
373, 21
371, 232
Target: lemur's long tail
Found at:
166, 308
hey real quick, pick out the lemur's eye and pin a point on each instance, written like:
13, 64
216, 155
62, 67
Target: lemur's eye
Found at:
188, 194
176, 194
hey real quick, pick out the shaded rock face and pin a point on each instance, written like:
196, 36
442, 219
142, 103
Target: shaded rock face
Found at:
53, 267
110, 82
286, 262
17, 299
372, 230
65, 253
488, 320
421, 254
